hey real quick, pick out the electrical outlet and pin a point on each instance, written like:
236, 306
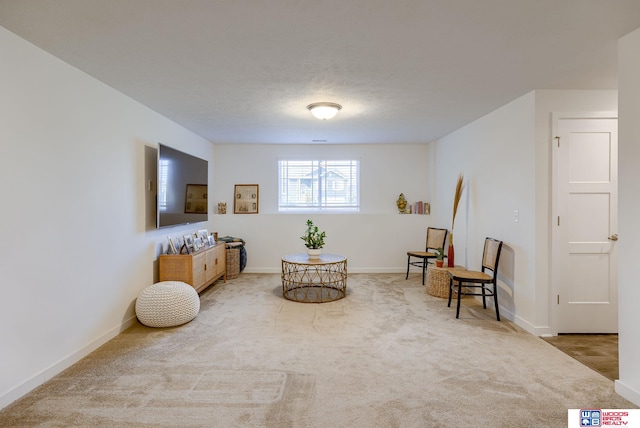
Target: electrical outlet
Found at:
516, 216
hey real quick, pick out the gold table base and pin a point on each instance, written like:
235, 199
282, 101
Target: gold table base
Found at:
314, 280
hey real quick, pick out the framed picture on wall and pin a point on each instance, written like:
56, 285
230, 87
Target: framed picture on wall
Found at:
245, 199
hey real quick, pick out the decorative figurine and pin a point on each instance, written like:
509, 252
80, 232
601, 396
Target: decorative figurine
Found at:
401, 203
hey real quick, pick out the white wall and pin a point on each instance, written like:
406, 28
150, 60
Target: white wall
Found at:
496, 156
374, 240
629, 208
75, 251
506, 159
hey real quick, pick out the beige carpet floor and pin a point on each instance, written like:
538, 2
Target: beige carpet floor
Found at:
388, 355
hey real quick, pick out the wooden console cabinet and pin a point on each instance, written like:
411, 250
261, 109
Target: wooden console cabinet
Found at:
199, 270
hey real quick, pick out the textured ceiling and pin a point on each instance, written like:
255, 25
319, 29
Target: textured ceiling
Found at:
243, 71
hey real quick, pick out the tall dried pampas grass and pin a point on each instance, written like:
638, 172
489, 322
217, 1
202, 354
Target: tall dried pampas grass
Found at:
456, 201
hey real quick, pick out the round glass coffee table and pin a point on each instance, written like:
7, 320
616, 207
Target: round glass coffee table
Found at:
314, 280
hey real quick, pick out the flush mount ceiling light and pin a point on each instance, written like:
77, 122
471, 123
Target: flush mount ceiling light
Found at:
324, 111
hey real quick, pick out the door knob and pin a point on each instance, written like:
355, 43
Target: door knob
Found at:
613, 237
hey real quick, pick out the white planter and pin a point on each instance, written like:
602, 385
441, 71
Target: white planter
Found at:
314, 253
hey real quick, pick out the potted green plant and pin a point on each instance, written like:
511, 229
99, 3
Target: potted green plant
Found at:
313, 240
439, 257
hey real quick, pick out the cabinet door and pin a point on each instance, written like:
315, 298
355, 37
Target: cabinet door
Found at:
176, 268
221, 259
199, 272
211, 264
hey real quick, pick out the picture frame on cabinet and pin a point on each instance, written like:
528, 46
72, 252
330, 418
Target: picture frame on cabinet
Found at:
204, 235
198, 244
179, 244
188, 242
171, 249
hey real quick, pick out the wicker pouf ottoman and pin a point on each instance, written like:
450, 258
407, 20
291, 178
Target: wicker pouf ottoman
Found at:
438, 280
167, 304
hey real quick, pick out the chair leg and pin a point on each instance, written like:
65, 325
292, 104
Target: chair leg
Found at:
495, 300
408, 264
424, 269
459, 293
484, 296
450, 291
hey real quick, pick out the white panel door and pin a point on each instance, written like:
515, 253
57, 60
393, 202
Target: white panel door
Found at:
585, 262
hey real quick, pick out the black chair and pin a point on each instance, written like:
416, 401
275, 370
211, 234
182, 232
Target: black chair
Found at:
435, 239
479, 279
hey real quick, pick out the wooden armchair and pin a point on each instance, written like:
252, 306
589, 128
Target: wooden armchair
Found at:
479, 279
436, 238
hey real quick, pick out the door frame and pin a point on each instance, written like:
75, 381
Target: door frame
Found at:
554, 287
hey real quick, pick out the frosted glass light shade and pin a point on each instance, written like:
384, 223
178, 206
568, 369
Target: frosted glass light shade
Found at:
324, 111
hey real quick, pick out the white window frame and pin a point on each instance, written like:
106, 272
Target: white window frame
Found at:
311, 180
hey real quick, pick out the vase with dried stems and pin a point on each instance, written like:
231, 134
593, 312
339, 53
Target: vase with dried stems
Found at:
456, 201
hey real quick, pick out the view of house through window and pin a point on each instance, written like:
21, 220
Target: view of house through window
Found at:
162, 189
322, 185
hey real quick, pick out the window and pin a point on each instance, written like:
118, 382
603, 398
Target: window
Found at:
319, 185
162, 181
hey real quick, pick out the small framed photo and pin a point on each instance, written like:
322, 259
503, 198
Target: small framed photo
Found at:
245, 199
204, 235
198, 244
171, 249
212, 240
188, 242
178, 241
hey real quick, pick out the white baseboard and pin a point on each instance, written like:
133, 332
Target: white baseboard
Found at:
382, 270
533, 329
519, 321
627, 392
525, 325
66, 362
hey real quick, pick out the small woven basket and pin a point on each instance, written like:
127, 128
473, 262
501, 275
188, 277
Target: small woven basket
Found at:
233, 262
438, 281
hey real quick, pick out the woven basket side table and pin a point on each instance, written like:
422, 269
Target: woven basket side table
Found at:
233, 261
438, 280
